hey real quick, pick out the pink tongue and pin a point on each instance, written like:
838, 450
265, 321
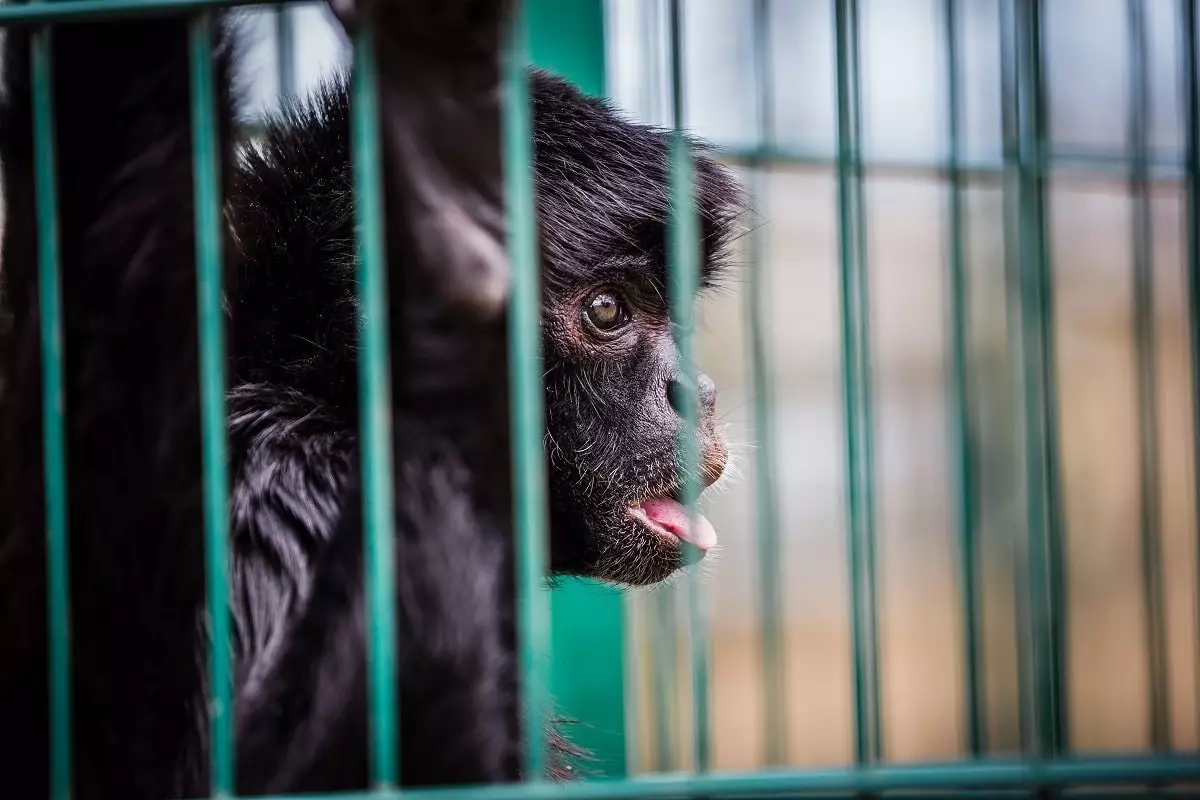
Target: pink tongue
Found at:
674, 517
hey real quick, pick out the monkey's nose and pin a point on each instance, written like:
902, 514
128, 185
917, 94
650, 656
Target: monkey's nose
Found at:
707, 390
706, 393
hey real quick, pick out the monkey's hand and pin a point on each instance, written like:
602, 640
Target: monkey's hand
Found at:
442, 26
439, 75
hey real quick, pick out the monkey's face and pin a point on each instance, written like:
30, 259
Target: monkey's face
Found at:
612, 370
614, 391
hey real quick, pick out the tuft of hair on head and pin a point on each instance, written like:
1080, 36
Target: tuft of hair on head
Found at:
604, 174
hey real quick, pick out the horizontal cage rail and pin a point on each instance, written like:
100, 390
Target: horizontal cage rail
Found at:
978, 775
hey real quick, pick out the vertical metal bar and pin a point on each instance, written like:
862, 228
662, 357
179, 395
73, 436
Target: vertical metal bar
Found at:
588, 623
857, 381
376, 406
664, 620
766, 512
960, 435
285, 51
649, 96
1191, 64
631, 623
529, 467
683, 235
1045, 578
205, 153
1138, 122
53, 416
664, 666
1012, 267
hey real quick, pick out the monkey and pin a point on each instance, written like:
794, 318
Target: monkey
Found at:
139, 635
602, 208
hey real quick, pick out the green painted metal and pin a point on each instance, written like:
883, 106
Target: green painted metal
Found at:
587, 672
664, 665
766, 507
1043, 583
53, 418
855, 309
285, 51
376, 420
587, 617
1013, 340
529, 462
209, 235
567, 37
959, 775
962, 456
1161, 165
1154, 610
78, 10
667, 634
683, 281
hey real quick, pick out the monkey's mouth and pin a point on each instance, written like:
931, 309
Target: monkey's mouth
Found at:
669, 518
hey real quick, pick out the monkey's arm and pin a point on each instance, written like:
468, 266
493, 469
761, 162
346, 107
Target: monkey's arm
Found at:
125, 216
302, 715
438, 78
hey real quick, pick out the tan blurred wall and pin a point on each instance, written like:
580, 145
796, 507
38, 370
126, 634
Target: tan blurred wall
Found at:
921, 638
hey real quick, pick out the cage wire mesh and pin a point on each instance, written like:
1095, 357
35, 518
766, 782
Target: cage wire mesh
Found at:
963, 552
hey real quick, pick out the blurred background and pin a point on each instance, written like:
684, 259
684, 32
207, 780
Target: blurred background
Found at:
1102, 394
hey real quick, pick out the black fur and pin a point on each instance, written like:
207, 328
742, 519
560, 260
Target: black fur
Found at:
125, 199
131, 379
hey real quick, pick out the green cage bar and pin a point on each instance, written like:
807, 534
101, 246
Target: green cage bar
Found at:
1010, 184
683, 279
962, 455
212, 397
1044, 579
1162, 165
664, 667
766, 507
285, 52
53, 418
1137, 123
666, 700
528, 414
660, 677
664, 614
990, 775
856, 358
587, 620
42, 11
376, 413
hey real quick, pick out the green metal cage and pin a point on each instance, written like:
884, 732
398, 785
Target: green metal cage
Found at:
598, 660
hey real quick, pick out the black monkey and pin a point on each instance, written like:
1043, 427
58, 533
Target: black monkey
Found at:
610, 368
137, 578
611, 364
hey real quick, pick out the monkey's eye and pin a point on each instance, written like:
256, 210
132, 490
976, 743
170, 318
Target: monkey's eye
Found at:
606, 312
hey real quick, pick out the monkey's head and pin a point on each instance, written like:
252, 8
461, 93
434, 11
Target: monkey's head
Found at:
613, 372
